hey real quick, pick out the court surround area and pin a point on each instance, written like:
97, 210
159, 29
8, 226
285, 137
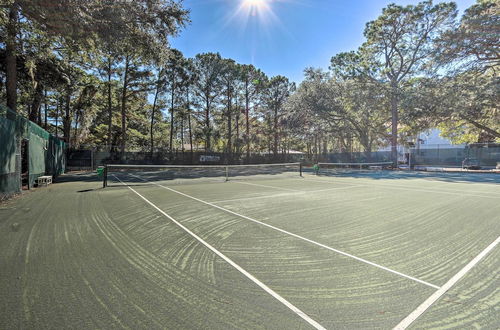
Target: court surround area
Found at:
253, 249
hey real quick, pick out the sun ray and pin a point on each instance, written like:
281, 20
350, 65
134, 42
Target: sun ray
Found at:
259, 10
255, 20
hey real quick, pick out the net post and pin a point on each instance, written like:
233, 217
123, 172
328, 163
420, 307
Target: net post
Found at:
105, 177
300, 169
227, 173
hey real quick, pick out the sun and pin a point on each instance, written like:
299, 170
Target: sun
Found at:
255, 7
253, 13
255, 3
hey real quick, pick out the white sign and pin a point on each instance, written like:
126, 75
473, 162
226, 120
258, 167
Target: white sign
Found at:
205, 158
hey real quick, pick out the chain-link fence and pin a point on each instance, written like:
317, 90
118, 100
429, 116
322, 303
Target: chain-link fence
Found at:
26, 152
485, 155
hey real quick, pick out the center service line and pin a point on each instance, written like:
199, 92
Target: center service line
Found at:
270, 291
295, 235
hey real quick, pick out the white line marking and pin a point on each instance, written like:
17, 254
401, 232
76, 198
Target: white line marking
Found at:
436, 295
232, 263
282, 195
296, 236
338, 188
261, 185
250, 198
462, 194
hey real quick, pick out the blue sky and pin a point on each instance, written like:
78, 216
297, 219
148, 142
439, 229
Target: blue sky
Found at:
280, 36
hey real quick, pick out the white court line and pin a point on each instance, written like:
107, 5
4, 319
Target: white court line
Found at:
255, 197
338, 188
301, 192
235, 265
464, 194
296, 236
261, 185
436, 295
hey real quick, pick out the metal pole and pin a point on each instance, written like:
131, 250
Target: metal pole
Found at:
227, 173
300, 169
105, 177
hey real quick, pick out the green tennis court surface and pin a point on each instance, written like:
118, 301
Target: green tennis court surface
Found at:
348, 251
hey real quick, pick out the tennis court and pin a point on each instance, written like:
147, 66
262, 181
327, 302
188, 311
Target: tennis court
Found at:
270, 249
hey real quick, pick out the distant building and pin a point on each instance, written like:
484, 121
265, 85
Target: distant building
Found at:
430, 139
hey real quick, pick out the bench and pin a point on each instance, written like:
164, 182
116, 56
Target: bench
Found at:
44, 179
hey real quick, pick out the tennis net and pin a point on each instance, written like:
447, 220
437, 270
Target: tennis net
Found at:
177, 174
350, 168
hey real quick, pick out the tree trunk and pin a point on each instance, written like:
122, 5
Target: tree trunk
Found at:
207, 124
316, 147
124, 107
75, 136
153, 113
488, 130
67, 116
39, 115
182, 136
394, 123
189, 123
276, 132
46, 110
34, 114
247, 120
364, 140
229, 125
237, 119
172, 92
58, 109
110, 109
11, 58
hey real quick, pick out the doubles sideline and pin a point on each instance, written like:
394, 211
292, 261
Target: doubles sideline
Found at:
267, 289
405, 323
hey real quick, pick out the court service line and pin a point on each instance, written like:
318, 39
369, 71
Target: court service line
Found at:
270, 291
283, 195
297, 236
405, 323
261, 185
337, 188
255, 197
414, 189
